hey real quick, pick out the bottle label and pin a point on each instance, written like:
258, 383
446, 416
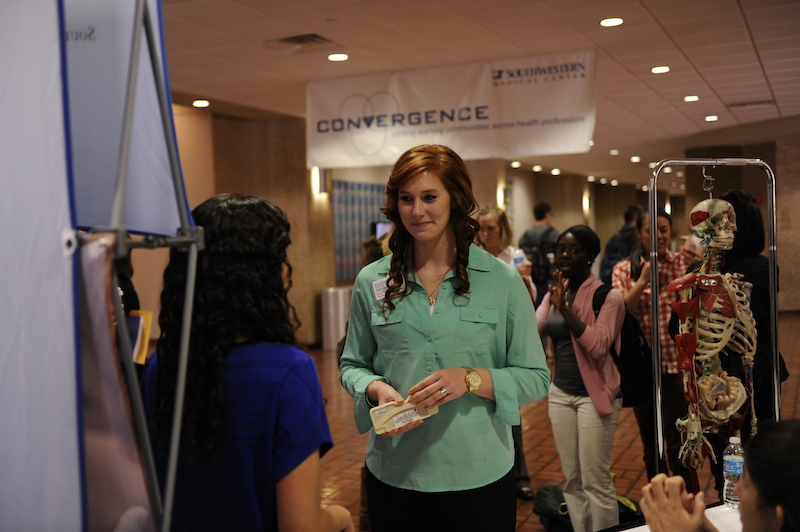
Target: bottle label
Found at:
733, 465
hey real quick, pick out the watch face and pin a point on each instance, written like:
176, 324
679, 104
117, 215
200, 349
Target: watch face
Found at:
473, 379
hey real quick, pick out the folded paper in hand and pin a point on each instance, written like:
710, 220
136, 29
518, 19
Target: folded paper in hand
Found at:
391, 416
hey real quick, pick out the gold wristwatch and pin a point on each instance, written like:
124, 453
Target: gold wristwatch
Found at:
473, 379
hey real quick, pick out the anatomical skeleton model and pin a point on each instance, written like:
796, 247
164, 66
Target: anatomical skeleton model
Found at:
714, 313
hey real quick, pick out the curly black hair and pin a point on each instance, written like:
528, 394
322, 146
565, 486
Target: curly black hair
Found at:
445, 164
243, 277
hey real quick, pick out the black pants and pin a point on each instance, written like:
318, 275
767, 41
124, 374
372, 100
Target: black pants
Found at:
490, 508
521, 474
674, 406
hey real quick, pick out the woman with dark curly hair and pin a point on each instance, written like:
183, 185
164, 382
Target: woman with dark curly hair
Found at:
453, 328
254, 424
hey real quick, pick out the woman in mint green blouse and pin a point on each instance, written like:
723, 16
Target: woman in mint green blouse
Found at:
444, 324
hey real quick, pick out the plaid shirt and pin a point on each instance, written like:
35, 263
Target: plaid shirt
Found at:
672, 267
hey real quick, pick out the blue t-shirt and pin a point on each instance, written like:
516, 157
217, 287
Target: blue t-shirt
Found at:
274, 419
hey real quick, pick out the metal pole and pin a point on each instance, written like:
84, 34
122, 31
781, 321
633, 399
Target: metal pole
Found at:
164, 106
180, 387
137, 406
142, 22
118, 203
656, 347
773, 289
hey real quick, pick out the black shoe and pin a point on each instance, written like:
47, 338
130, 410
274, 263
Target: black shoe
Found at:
526, 494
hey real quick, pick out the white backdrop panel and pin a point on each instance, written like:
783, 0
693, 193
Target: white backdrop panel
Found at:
99, 35
40, 486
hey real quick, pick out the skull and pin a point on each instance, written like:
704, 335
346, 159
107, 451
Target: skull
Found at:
714, 223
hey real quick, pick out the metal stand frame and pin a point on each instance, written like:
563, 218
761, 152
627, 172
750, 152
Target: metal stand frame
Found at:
188, 238
773, 280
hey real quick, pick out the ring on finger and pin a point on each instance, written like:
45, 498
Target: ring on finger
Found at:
443, 391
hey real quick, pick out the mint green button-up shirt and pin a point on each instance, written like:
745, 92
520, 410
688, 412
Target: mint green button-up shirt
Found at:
467, 444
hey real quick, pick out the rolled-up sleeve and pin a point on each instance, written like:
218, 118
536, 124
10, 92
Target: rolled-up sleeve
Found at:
357, 361
524, 377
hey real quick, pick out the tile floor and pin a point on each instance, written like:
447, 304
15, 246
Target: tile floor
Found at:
341, 467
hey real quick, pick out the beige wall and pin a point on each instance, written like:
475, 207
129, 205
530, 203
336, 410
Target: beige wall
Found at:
787, 185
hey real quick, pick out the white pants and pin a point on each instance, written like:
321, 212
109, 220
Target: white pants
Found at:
584, 442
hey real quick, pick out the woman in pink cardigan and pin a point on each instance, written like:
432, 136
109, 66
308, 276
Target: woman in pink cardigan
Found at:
584, 399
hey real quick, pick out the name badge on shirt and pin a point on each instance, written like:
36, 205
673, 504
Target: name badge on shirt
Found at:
379, 288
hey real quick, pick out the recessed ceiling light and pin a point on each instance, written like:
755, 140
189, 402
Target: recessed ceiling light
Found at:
659, 69
613, 152
712, 118
537, 168
338, 57
611, 22
591, 143
679, 173
603, 180
667, 169
635, 159
591, 178
691, 98
200, 103
683, 186
555, 171
614, 182
645, 188
516, 164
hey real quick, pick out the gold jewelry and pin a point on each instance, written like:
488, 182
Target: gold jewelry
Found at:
473, 379
431, 298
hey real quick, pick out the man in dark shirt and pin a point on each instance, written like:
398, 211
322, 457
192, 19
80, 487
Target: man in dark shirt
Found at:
621, 244
539, 245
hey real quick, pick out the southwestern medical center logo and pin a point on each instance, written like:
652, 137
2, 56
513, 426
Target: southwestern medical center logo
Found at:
556, 72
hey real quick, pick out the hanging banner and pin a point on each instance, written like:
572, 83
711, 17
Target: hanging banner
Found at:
540, 105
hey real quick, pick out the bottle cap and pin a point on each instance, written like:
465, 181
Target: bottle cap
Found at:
734, 439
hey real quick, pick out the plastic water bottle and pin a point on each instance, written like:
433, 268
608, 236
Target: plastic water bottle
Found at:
517, 258
732, 470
